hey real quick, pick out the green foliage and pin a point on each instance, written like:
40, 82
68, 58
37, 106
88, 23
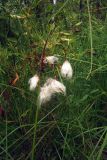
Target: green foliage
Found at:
67, 128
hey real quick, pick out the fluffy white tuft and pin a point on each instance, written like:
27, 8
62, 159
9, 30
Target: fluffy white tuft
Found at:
33, 82
51, 59
45, 95
49, 89
56, 86
54, 2
66, 70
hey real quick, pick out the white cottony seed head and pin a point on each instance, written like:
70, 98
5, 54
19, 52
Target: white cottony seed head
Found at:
55, 86
51, 59
33, 82
66, 70
54, 2
49, 89
45, 95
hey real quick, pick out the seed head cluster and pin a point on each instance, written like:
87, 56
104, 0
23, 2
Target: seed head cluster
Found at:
51, 86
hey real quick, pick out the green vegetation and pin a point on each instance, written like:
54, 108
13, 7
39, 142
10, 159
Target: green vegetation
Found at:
71, 127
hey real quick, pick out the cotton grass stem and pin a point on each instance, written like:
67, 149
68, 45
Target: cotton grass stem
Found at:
35, 131
91, 39
6, 140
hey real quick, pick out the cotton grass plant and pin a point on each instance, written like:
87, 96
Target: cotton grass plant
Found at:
51, 86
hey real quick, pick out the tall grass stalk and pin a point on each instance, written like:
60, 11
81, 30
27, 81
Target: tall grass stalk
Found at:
35, 131
6, 140
91, 39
